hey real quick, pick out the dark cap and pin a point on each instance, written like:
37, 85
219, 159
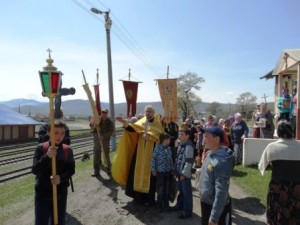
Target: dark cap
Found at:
104, 110
217, 131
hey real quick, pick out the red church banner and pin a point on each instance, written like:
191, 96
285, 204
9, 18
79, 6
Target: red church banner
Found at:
97, 98
168, 95
131, 89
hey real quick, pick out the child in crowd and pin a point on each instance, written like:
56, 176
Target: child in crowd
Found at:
162, 167
43, 180
184, 162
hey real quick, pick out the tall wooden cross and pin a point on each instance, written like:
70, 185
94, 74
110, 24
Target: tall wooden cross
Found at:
265, 97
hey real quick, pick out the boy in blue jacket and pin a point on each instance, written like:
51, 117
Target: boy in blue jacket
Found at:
162, 167
184, 162
215, 178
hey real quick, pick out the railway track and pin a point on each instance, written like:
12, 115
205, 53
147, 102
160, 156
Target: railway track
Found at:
27, 147
27, 170
14, 159
28, 154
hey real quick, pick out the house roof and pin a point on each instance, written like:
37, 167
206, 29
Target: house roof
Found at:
287, 61
294, 54
268, 76
11, 117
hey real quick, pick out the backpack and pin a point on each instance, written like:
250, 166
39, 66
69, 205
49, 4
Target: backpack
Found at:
66, 154
65, 149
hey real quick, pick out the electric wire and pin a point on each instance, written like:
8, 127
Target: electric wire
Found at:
130, 38
125, 37
86, 10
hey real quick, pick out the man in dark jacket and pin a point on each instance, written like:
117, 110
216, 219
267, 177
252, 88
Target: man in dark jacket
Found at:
43, 180
184, 163
239, 131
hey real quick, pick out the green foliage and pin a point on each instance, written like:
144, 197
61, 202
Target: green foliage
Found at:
246, 103
250, 179
215, 108
187, 84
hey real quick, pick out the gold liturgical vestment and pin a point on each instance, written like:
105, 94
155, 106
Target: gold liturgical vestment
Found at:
144, 145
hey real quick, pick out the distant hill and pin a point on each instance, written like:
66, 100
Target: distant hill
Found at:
20, 102
81, 108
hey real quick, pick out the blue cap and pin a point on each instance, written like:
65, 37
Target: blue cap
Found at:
216, 130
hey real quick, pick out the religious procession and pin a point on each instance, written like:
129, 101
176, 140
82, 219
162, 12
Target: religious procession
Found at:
159, 160
178, 148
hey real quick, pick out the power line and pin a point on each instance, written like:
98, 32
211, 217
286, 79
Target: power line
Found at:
134, 40
133, 43
125, 37
87, 10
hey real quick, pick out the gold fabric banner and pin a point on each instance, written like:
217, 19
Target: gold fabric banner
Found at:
168, 95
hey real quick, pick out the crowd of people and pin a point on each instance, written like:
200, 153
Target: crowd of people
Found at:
205, 139
151, 153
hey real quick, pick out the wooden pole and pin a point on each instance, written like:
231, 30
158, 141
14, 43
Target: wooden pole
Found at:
97, 118
265, 97
53, 159
168, 72
298, 104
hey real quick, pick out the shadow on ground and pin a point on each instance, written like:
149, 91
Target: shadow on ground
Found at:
70, 220
249, 205
150, 215
108, 182
251, 208
237, 173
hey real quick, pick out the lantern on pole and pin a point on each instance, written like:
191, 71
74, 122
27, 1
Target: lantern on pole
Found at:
51, 82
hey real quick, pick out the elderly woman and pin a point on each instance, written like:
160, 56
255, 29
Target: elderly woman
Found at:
283, 200
265, 121
239, 131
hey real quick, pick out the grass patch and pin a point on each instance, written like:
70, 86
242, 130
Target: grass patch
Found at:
88, 131
79, 132
17, 196
250, 180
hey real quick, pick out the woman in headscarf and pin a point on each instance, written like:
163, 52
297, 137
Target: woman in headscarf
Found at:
283, 199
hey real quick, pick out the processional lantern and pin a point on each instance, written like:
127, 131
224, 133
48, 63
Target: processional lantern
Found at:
50, 78
51, 83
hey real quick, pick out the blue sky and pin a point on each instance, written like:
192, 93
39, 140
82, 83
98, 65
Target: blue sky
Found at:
229, 43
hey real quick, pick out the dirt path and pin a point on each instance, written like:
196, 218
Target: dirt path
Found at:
101, 201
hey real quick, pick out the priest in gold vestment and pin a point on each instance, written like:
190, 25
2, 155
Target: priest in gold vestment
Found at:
131, 166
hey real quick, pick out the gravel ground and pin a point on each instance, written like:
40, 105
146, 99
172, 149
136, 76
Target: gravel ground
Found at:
99, 201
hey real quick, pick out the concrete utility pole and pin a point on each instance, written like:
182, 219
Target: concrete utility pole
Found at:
108, 23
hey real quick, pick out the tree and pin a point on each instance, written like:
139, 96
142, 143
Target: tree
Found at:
215, 108
246, 102
187, 84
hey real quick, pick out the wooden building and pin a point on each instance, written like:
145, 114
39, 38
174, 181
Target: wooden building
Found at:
287, 74
15, 126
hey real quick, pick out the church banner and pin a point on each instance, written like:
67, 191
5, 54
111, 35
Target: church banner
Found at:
131, 89
97, 98
168, 95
